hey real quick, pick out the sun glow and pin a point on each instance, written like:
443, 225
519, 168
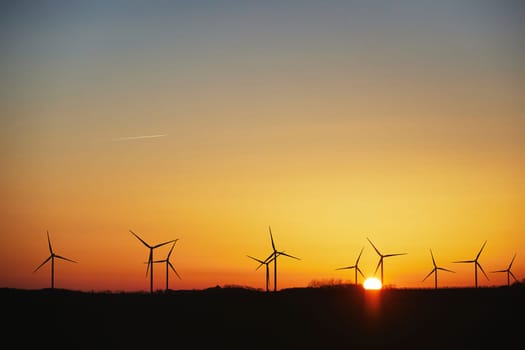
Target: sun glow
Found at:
372, 283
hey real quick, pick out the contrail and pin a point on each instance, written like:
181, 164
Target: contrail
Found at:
138, 137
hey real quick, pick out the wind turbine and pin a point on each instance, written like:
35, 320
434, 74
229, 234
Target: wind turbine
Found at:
435, 271
509, 273
168, 265
355, 266
381, 257
150, 257
273, 257
52, 257
476, 265
267, 263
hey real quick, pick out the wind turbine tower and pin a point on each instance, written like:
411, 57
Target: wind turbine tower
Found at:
150, 257
509, 273
435, 271
355, 267
273, 256
476, 265
266, 263
168, 265
52, 257
381, 258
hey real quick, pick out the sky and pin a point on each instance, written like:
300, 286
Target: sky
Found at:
210, 121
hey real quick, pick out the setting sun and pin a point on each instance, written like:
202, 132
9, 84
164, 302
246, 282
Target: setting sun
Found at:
372, 283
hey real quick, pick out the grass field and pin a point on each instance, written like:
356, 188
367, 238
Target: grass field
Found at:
232, 317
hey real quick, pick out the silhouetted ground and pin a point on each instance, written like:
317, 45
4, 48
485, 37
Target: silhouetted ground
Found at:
327, 317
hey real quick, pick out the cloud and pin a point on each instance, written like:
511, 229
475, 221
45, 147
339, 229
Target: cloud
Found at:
139, 137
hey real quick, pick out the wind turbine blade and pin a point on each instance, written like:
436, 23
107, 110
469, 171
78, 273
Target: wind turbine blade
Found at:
61, 257
443, 269
389, 255
464, 261
150, 261
164, 243
288, 255
170, 265
270, 257
42, 264
378, 264
261, 263
432, 255
258, 260
147, 269
481, 268
479, 253
271, 237
359, 270
510, 265
268, 260
359, 256
377, 251
49, 243
515, 279
140, 239
498, 271
430, 273
345, 268
173, 246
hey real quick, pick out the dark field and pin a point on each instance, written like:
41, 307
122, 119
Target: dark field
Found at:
325, 317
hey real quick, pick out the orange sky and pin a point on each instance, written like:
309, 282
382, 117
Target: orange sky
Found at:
401, 123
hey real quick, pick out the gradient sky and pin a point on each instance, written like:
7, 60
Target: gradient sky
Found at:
331, 121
